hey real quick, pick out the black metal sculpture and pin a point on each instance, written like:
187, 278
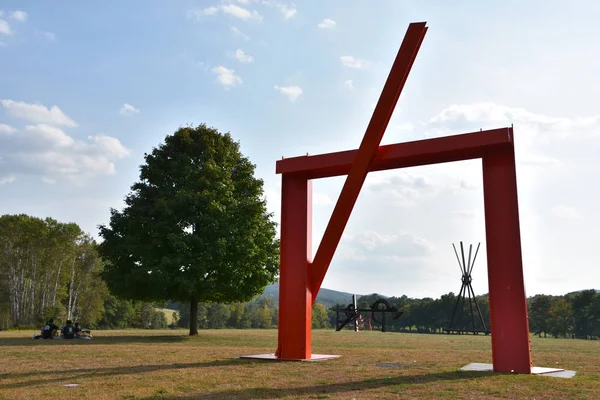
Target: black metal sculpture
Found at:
352, 312
466, 289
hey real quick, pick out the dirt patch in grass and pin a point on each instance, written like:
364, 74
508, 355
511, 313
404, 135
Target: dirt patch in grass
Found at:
168, 364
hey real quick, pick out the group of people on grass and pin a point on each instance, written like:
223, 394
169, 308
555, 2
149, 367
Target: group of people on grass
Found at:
67, 331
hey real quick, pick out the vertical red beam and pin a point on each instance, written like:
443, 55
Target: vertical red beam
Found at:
295, 299
366, 152
511, 351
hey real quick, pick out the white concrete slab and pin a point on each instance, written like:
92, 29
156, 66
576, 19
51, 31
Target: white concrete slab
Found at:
272, 357
478, 367
542, 371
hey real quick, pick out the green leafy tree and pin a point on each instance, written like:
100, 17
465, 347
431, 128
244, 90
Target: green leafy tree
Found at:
118, 313
247, 316
195, 227
236, 313
144, 314
582, 318
320, 318
561, 317
159, 320
217, 315
539, 314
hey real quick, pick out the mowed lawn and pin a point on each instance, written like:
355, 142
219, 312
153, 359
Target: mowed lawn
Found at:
141, 364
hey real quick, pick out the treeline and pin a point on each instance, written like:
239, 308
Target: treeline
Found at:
47, 268
426, 315
574, 315
260, 313
50, 269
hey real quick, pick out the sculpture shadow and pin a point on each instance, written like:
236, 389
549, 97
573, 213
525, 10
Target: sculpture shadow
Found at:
67, 376
332, 388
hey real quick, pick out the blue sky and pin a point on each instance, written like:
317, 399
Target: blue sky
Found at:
86, 90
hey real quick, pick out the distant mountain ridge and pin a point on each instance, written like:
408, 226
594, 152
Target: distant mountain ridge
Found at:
330, 298
327, 297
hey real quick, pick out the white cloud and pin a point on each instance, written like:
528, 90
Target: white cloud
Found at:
7, 179
291, 92
565, 212
50, 153
464, 214
230, 9
327, 23
460, 115
443, 204
321, 199
287, 11
241, 13
239, 33
5, 28
227, 77
353, 62
54, 137
400, 245
349, 84
537, 136
37, 113
198, 14
466, 185
19, 15
128, 109
49, 35
110, 146
6, 129
210, 10
243, 57
404, 187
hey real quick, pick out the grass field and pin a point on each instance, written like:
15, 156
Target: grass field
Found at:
169, 365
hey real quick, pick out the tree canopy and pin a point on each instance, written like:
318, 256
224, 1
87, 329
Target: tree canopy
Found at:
195, 228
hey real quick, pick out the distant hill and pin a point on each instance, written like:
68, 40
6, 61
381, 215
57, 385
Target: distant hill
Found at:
327, 297
579, 291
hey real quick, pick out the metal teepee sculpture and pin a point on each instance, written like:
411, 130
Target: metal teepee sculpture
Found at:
466, 290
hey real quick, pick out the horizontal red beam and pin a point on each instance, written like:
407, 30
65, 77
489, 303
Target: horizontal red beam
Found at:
466, 146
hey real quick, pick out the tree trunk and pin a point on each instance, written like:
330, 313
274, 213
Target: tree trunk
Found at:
193, 316
71, 292
56, 283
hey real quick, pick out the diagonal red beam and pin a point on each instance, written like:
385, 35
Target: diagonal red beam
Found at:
366, 153
444, 149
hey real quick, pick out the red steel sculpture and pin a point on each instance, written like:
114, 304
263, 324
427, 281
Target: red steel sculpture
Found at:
301, 276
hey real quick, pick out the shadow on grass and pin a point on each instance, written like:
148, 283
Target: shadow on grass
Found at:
322, 391
76, 374
97, 340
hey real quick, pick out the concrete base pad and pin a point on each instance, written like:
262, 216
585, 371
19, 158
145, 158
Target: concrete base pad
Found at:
271, 357
555, 372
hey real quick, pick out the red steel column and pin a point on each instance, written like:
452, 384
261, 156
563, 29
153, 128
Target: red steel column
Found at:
511, 351
366, 152
295, 298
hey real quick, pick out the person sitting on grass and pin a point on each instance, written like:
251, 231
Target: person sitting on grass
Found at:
68, 330
49, 330
81, 333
